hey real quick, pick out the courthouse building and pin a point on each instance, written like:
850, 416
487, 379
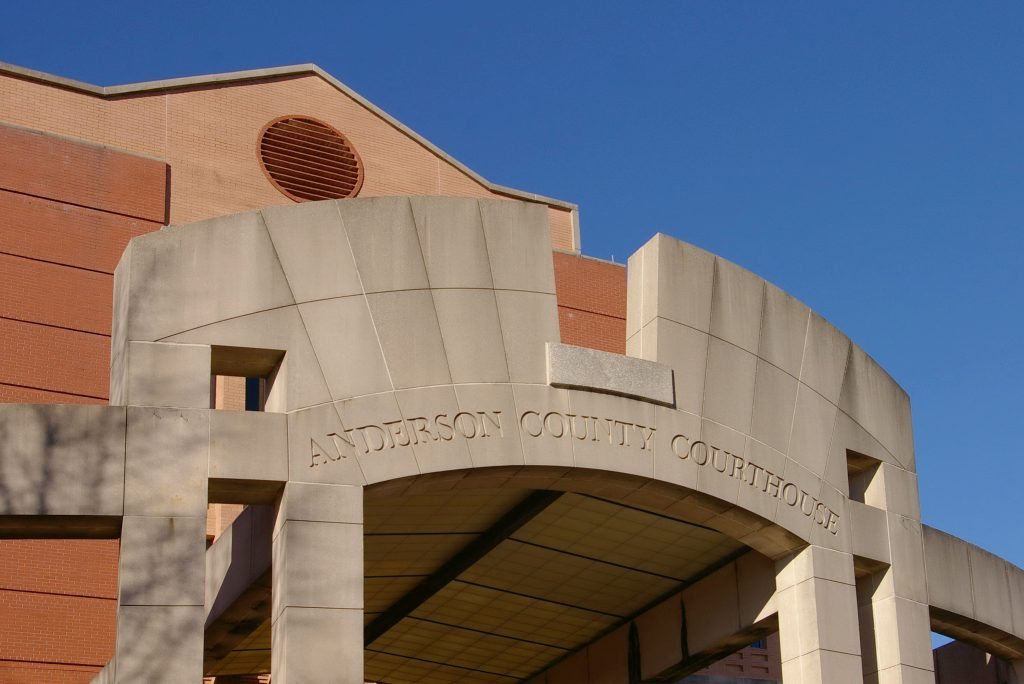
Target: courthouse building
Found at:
289, 391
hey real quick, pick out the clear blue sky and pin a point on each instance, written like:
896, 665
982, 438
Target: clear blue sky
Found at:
865, 156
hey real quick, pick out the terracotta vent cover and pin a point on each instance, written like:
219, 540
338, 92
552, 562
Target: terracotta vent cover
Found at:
307, 159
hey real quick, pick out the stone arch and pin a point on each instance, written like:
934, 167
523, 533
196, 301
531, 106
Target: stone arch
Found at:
419, 336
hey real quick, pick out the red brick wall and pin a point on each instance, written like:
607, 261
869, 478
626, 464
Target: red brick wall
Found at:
591, 302
67, 211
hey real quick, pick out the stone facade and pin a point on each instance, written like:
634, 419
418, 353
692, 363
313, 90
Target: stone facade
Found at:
743, 469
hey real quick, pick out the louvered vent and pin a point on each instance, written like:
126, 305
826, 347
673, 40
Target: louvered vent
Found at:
307, 159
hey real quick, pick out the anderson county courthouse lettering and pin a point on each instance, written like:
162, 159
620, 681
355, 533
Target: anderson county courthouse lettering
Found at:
291, 395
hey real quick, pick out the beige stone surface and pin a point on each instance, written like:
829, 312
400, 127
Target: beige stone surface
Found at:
407, 326
528, 320
502, 447
162, 374
296, 655
317, 565
685, 350
312, 247
300, 381
783, 330
155, 484
589, 369
316, 452
517, 245
61, 460
385, 243
813, 423
775, 393
232, 256
451, 237
471, 331
345, 342
159, 644
736, 305
162, 561
248, 445
729, 387
540, 446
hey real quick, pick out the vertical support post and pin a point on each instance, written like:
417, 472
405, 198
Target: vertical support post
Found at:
317, 618
817, 603
162, 565
1015, 671
893, 603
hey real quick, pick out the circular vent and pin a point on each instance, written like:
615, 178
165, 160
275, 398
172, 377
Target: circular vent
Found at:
307, 159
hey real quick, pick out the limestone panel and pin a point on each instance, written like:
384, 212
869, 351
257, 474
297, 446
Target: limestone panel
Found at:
61, 460
529, 320
608, 433
947, 566
372, 425
754, 490
167, 462
386, 247
783, 330
825, 357
409, 334
876, 402
162, 561
451, 235
677, 431
232, 256
774, 398
724, 456
518, 246
159, 644
680, 283
249, 445
159, 374
589, 369
319, 448
534, 405
438, 431
906, 543
729, 388
501, 447
296, 661
346, 345
313, 249
813, 423
736, 305
869, 533
472, 337
313, 565
990, 589
685, 350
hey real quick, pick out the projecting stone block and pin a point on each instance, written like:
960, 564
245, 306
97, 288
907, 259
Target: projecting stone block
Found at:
163, 374
167, 462
61, 460
588, 369
248, 445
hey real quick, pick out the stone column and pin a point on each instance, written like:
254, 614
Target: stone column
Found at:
162, 565
817, 603
893, 602
317, 619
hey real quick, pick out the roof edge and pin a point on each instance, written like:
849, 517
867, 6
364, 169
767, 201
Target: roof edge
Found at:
274, 72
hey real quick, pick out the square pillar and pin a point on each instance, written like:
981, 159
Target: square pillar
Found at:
817, 603
162, 566
317, 614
